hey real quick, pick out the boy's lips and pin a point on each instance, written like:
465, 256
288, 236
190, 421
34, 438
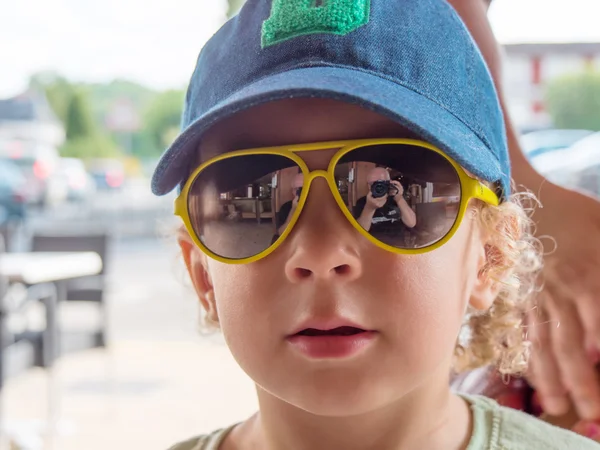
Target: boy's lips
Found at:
334, 326
339, 331
332, 339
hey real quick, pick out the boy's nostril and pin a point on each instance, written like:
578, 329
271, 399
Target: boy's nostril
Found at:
342, 270
331, 265
303, 273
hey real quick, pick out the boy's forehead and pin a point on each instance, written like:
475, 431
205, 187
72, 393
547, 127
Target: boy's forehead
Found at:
297, 121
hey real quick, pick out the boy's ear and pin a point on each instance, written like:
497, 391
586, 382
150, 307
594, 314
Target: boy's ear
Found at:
487, 286
197, 267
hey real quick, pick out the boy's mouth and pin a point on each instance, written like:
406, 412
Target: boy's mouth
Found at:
331, 340
339, 331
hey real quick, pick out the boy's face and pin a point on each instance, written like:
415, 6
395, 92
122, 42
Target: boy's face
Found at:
326, 271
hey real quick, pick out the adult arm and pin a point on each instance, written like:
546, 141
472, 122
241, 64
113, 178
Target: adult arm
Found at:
364, 213
408, 216
565, 329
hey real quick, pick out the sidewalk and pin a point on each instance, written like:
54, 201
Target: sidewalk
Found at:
134, 395
159, 382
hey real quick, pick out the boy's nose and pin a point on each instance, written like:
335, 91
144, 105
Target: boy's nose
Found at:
324, 245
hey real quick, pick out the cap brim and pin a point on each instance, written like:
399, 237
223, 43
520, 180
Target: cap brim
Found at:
421, 115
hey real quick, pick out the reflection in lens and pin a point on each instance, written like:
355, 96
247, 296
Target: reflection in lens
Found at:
405, 196
239, 206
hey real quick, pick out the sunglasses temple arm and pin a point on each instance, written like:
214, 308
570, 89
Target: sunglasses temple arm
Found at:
178, 206
482, 192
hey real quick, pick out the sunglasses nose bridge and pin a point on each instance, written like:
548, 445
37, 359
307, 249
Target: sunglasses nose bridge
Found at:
313, 175
320, 173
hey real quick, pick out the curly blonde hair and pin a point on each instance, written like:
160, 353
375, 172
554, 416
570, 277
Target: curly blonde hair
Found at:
498, 336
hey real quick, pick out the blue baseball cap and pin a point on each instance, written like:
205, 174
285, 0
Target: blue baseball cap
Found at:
412, 60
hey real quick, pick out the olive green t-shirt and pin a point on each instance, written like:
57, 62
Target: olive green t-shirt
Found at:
494, 428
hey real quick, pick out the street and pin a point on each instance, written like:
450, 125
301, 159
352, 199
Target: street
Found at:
129, 211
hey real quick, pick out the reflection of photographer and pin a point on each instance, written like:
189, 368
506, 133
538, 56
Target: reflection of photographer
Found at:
384, 207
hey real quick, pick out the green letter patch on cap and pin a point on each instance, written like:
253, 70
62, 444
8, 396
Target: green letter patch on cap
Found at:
292, 18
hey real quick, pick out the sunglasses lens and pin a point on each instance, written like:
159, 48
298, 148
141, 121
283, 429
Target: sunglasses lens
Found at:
405, 196
235, 204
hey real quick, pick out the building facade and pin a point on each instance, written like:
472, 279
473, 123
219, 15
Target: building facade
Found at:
528, 69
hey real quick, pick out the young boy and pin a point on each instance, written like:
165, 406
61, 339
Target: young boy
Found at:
348, 334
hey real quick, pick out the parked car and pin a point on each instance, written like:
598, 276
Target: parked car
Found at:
577, 166
39, 164
13, 200
543, 141
13, 192
108, 174
80, 184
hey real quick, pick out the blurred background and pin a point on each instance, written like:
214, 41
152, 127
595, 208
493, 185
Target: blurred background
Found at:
98, 325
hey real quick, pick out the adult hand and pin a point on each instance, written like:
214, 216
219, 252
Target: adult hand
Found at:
565, 329
375, 203
295, 201
400, 189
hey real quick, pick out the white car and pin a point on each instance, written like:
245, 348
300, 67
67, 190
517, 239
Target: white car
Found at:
39, 164
80, 184
545, 141
577, 166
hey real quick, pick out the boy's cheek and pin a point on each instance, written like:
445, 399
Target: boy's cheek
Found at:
245, 299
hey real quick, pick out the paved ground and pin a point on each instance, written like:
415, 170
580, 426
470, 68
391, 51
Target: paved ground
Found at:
132, 211
158, 382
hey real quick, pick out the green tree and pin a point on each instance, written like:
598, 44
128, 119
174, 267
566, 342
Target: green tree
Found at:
162, 118
573, 100
84, 137
89, 147
79, 121
143, 146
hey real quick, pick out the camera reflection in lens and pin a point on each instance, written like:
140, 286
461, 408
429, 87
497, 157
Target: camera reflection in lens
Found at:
405, 196
380, 188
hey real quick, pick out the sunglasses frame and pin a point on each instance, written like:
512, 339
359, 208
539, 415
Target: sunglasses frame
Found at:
471, 188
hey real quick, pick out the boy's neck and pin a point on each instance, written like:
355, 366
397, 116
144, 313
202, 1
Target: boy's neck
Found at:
431, 418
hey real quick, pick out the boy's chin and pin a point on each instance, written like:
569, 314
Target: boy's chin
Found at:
341, 398
349, 405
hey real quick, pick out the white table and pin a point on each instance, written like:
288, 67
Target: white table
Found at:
47, 271
44, 267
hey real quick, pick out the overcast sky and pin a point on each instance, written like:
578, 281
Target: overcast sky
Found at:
156, 42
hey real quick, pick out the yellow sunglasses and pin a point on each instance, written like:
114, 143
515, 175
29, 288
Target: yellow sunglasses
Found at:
405, 196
